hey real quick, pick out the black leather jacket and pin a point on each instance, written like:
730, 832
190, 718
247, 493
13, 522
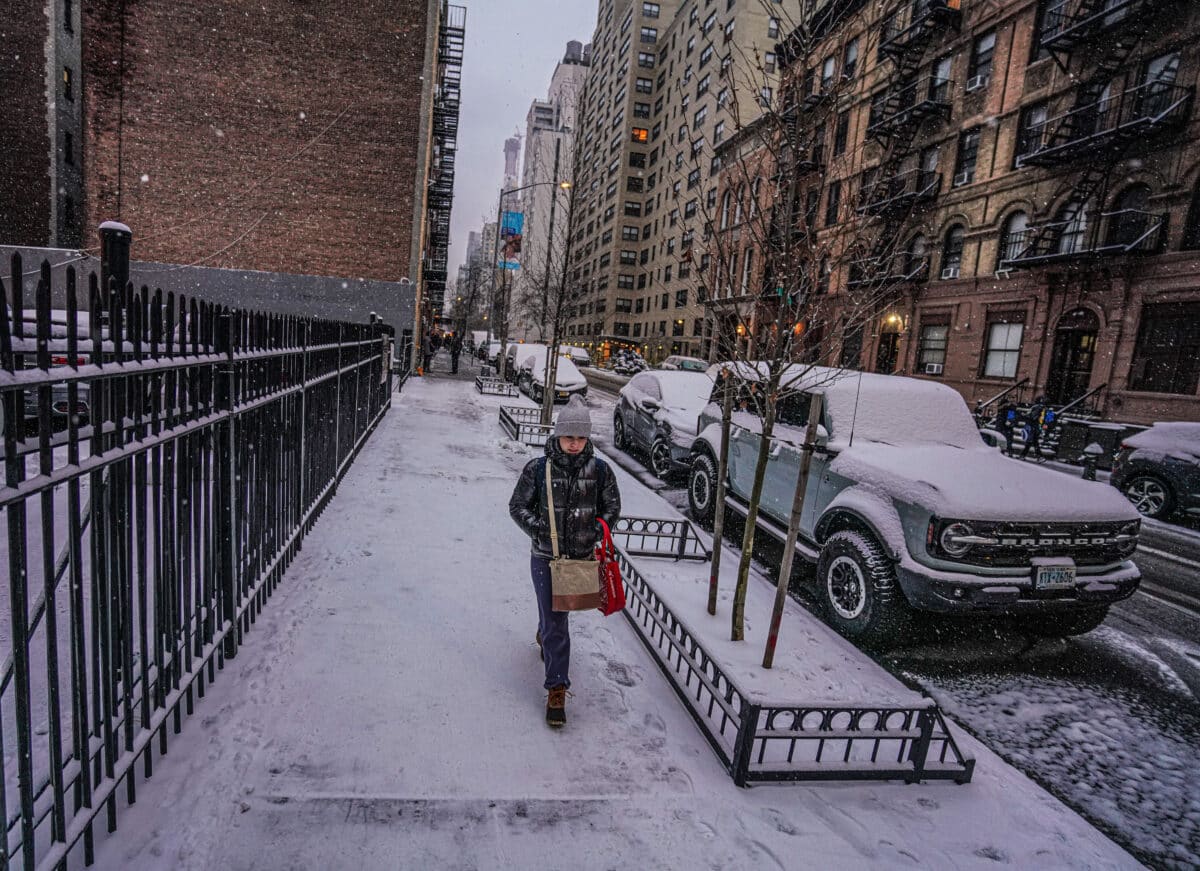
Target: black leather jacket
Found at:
579, 498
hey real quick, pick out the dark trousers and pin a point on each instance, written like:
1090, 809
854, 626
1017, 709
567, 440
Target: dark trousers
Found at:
556, 633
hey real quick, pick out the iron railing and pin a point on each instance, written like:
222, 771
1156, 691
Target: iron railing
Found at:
493, 386
1129, 232
765, 741
524, 424
900, 192
913, 24
166, 509
910, 103
651, 536
1069, 23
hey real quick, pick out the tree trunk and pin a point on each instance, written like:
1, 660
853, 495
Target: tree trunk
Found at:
760, 472
789, 547
548, 388
719, 505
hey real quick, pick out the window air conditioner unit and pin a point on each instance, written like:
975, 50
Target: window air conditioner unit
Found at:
962, 178
950, 272
933, 368
976, 82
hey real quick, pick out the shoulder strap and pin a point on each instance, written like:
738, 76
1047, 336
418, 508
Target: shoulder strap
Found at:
550, 507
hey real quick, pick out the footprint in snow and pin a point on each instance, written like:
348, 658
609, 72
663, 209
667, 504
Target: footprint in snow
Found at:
619, 673
993, 853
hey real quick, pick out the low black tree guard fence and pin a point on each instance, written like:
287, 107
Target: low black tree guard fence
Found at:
494, 386
763, 741
174, 454
524, 424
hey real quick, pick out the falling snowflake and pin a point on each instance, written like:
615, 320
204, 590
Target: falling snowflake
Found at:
145, 178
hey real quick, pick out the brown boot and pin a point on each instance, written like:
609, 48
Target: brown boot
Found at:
556, 707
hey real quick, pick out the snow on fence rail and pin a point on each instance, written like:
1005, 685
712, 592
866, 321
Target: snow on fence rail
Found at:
198, 445
651, 536
524, 424
765, 741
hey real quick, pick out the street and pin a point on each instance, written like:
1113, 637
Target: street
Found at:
1106, 721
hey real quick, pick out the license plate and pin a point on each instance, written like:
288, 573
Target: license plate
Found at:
1054, 578
562, 395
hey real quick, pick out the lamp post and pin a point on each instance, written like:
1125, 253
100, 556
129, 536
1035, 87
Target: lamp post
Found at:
500, 300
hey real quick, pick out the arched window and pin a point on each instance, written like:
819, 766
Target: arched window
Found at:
737, 209
1013, 238
754, 193
725, 210
1073, 218
952, 251
1129, 220
916, 255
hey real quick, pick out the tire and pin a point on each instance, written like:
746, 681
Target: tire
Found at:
536, 393
858, 584
619, 441
702, 489
660, 459
1150, 495
1065, 625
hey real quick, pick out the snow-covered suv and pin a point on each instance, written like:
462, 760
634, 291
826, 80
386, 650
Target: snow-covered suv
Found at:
907, 509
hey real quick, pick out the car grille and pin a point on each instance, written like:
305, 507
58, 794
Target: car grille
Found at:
1088, 544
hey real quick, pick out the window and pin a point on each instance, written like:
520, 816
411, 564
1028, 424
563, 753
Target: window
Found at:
982, 54
726, 63
677, 327
641, 306
650, 10
643, 86
968, 156
833, 203
702, 85
1073, 217
629, 258
747, 270
68, 84
828, 71
710, 198
1039, 27
705, 56
637, 159
718, 133
69, 148
773, 28
620, 328
1166, 358
630, 234
699, 117
624, 305
1129, 222
725, 201
639, 134
698, 327
1012, 237
714, 165
691, 45
769, 62
637, 328
646, 59
641, 110
1031, 130
932, 348
850, 59
634, 184
680, 298
693, 179
649, 34
841, 132
709, 23
764, 97
952, 251
1002, 353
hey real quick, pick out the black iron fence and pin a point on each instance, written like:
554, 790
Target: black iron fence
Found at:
164, 458
524, 424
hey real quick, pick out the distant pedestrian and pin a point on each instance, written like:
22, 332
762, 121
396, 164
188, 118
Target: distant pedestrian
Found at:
584, 488
1034, 420
427, 352
1007, 422
455, 350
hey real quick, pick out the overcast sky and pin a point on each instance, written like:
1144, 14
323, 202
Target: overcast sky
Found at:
512, 47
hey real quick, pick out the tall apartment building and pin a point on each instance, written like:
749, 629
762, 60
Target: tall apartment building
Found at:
1045, 158
232, 150
669, 82
548, 162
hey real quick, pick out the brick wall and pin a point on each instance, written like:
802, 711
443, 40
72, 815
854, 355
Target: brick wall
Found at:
276, 135
24, 140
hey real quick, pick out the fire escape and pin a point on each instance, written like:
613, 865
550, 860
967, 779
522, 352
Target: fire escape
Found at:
1100, 129
440, 194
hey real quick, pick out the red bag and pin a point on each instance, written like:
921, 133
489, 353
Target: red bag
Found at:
612, 588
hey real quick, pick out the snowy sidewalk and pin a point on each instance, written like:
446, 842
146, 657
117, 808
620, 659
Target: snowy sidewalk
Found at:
386, 711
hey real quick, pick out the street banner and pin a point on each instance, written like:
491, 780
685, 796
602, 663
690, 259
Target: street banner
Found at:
511, 227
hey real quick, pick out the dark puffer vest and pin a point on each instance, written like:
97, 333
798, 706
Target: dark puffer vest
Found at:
581, 494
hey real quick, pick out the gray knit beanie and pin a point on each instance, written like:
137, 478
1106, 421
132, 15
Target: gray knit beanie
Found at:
574, 420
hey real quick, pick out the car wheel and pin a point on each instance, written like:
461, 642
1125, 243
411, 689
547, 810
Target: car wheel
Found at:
538, 394
619, 433
859, 589
702, 489
1150, 495
660, 458
1065, 625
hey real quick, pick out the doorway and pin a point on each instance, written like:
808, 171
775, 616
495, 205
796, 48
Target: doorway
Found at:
1074, 353
888, 352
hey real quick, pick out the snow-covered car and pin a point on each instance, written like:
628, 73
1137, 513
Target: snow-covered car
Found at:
657, 413
60, 409
579, 356
906, 508
687, 364
1158, 469
531, 374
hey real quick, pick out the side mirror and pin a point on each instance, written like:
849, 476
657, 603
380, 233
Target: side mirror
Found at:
822, 436
650, 404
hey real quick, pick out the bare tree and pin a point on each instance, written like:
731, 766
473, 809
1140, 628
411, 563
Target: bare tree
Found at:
803, 245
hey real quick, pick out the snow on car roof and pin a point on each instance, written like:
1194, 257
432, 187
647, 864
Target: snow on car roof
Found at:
1177, 440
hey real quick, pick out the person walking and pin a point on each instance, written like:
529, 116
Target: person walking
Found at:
584, 488
1035, 420
455, 350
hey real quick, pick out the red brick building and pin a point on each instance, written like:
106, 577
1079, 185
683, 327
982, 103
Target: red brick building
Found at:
1045, 158
269, 135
